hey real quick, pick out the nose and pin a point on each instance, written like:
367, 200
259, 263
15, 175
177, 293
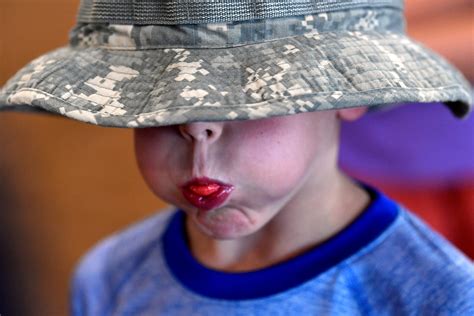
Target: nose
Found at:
207, 132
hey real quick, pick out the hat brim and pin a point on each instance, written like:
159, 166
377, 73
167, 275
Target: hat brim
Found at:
144, 88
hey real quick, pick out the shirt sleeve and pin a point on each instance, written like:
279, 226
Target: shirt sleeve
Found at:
90, 291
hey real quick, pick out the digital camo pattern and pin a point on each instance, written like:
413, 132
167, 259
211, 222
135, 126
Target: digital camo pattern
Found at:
130, 87
221, 35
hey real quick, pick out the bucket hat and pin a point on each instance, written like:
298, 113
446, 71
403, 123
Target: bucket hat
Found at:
149, 63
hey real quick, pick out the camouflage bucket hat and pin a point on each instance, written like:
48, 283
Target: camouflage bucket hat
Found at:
150, 63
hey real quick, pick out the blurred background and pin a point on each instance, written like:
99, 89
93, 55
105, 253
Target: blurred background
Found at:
65, 185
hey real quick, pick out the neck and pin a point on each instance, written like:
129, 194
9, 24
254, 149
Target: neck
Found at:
305, 221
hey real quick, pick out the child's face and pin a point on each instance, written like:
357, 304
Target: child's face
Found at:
267, 162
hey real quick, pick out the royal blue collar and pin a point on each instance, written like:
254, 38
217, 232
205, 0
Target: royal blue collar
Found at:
278, 278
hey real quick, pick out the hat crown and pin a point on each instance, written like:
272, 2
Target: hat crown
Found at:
147, 12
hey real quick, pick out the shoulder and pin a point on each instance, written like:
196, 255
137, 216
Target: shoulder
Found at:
416, 269
445, 275
125, 245
107, 265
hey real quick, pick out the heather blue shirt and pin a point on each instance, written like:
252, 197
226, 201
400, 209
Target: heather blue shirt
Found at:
387, 262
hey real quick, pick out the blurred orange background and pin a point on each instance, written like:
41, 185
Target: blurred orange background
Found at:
67, 184
64, 184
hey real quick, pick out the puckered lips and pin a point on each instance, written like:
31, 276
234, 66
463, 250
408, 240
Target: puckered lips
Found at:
205, 193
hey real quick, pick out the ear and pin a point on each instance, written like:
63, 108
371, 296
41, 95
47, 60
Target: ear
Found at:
351, 114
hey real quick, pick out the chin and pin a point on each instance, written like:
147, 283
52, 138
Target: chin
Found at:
224, 224
224, 234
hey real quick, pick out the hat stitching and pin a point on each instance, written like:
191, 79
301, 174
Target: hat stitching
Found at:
240, 105
343, 76
247, 105
230, 46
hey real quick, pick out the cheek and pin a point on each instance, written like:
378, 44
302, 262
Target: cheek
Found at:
148, 151
277, 164
153, 151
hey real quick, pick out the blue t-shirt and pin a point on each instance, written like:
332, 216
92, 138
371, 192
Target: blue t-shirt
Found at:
386, 262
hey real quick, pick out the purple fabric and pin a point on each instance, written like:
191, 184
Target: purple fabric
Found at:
413, 144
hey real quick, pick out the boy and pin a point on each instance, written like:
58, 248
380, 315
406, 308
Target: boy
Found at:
236, 107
